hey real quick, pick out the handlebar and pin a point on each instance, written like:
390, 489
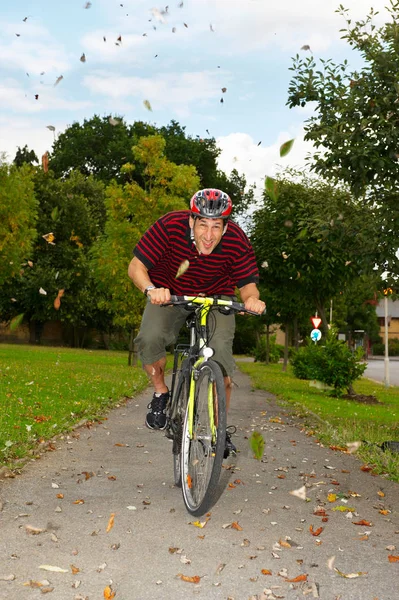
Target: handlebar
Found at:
230, 305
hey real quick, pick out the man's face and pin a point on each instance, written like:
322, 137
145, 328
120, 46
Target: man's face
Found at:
207, 233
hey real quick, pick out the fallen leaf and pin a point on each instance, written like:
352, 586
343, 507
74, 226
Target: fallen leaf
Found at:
110, 523
236, 526
332, 497
350, 575
74, 570
317, 532
9, 577
299, 493
363, 522
384, 511
266, 572
297, 579
185, 560
53, 569
194, 579
257, 444
393, 558
200, 524
330, 562
80, 501
36, 584
33, 530
108, 593
366, 468
381, 494
220, 568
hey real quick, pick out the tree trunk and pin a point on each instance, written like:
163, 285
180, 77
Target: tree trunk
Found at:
267, 359
323, 316
296, 333
287, 332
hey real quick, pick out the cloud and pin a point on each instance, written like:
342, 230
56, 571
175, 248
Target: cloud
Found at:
172, 90
30, 132
241, 152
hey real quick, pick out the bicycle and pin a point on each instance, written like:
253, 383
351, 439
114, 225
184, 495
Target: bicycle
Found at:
196, 412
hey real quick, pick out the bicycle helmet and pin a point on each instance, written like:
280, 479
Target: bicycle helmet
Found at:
211, 204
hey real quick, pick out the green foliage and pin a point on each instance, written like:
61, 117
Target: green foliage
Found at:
131, 209
18, 215
257, 444
310, 243
354, 126
393, 348
25, 156
274, 350
333, 364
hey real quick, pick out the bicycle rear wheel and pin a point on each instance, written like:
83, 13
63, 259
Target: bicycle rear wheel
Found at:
202, 452
177, 416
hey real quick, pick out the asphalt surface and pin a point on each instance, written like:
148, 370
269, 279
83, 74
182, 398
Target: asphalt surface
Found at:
118, 475
376, 370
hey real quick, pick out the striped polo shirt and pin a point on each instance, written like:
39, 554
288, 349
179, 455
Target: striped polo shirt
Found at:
167, 243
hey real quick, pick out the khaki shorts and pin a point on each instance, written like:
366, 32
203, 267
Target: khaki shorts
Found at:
160, 327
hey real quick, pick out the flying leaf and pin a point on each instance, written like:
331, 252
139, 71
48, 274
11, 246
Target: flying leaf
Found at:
49, 237
182, 268
52, 568
147, 104
87, 5
83, 58
110, 523
286, 148
257, 443
113, 121
42, 292
16, 322
305, 47
271, 188
45, 163
224, 90
57, 300
194, 579
57, 81
51, 127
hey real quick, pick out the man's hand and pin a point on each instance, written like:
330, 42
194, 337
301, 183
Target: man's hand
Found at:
159, 295
253, 303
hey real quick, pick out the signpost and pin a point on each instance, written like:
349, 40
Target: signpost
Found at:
315, 334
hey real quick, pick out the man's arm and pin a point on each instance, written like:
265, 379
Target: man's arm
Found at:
250, 297
138, 273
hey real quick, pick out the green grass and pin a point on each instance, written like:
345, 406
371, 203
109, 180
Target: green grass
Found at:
338, 421
46, 391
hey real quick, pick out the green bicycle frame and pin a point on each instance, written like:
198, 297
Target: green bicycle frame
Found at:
206, 303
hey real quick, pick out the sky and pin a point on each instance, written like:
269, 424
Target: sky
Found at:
178, 58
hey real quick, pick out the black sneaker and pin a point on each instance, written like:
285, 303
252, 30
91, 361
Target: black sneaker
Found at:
229, 446
156, 418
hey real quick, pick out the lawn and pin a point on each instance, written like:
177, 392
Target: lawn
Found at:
338, 421
46, 391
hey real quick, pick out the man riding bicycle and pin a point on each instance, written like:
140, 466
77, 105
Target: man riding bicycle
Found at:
191, 252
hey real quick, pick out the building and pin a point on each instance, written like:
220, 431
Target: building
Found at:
393, 318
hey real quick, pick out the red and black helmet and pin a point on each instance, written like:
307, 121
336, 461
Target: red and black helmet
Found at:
211, 204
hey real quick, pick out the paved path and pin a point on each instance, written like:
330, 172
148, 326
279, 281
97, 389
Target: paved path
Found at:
120, 468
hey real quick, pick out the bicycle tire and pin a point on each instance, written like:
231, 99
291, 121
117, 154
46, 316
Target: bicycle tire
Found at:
202, 458
179, 404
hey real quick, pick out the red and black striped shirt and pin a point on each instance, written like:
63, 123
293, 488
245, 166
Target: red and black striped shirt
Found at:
167, 243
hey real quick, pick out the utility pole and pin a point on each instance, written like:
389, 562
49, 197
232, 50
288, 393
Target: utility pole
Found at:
386, 353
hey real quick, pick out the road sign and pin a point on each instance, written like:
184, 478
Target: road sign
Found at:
316, 322
315, 335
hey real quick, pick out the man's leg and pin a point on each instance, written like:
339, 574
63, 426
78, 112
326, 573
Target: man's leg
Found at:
156, 373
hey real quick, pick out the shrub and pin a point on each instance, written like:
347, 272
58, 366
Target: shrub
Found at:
333, 364
260, 351
393, 348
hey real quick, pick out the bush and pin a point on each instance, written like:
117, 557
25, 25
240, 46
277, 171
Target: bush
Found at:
393, 348
305, 362
333, 364
260, 351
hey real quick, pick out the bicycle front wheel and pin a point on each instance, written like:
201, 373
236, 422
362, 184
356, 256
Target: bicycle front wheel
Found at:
204, 438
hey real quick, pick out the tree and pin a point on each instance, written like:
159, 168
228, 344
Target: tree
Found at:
70, 218
309, 242
131, 209
357, 113
18, 215
24, 155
